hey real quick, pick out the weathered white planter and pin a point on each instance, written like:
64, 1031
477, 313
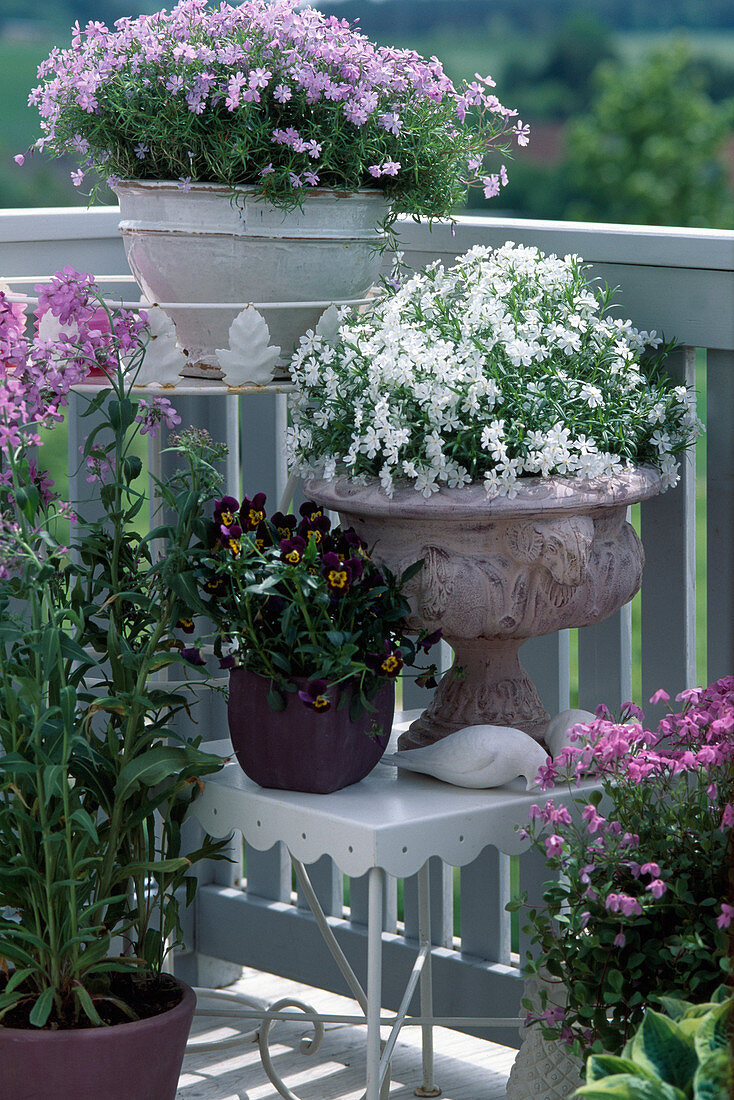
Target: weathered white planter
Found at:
215, 244
497, 572
545, 1069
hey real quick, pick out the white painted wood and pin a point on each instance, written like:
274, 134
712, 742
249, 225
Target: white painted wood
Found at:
328, 886
269, 873
605, 661
359, 902
533, 874
548, 665
669, 579
467, 1068
485, 890
720, 511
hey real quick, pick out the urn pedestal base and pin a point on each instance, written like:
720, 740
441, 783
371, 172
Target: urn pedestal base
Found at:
487, 685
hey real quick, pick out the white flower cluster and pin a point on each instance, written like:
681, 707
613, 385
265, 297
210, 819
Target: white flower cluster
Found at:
505, 366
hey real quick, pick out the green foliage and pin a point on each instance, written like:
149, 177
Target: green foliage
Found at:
95, 781
649, 150
295, 600
683, 1056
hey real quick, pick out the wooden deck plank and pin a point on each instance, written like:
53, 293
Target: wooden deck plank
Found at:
466, 1068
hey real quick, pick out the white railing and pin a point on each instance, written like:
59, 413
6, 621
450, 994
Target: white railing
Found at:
680, 282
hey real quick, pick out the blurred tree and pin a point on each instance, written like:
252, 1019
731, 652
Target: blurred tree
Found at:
557, 83
649, 150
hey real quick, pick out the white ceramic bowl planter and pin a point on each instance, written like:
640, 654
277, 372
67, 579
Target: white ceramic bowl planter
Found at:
497, 572
216, 244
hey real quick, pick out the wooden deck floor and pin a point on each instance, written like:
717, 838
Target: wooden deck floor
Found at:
466, 1068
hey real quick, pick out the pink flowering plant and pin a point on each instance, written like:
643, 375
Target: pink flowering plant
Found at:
269, 94
640, 904
95, 779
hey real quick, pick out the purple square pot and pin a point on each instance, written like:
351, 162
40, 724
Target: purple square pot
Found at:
299, 749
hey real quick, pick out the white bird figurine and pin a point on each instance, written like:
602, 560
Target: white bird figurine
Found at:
558, 731
476, 756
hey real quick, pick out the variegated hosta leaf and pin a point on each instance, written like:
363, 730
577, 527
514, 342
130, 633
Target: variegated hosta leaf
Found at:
251, 357
164, 359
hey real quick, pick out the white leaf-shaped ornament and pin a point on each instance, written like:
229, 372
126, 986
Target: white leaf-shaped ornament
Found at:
251, 357
476, 756
327, 326
164, 359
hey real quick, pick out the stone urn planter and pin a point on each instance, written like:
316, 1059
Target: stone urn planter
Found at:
216, 244
545, 1069
497, 572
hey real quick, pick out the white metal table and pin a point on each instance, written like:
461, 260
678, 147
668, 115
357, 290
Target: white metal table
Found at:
389, 823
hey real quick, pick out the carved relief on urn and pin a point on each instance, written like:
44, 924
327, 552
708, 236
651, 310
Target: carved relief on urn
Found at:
497, 572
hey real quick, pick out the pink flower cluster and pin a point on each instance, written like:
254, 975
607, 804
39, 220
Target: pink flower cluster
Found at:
647, 848
73, 336
288, 59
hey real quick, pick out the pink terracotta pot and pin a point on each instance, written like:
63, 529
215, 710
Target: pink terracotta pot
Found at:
140, 1060
299, 749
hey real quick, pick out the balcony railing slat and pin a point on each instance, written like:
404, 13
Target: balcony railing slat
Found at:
359, 902
720, 513
605, 661
547, 663
669, 584
485, 890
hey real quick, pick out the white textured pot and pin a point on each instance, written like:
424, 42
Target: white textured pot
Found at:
497, 572
545, 1069
214, 243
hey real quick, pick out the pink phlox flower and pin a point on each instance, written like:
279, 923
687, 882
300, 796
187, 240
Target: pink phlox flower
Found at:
282, 93
553, 845
660, 696
592, 817
522, 133
19, 159
491, 186
295, 179
184, 183
652, 869
504, 178
266, 171
554, 1014
311, 178
141, 150
547, 775
152, 412
690, 695
725, 918
657, 887
727, 818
